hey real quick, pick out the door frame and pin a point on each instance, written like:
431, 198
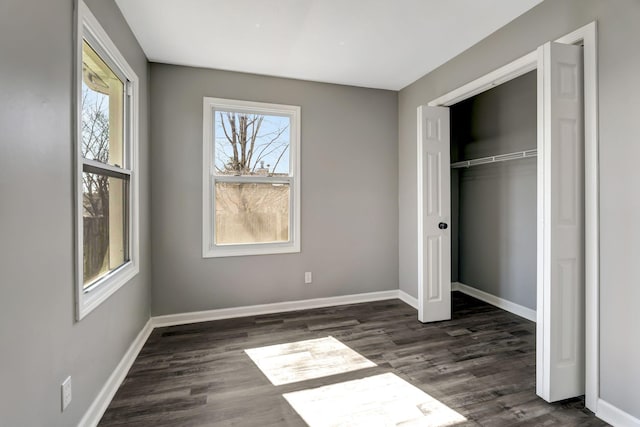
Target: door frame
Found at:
587, 37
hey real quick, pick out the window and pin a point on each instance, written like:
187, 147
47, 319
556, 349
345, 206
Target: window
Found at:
251, 178
106, 153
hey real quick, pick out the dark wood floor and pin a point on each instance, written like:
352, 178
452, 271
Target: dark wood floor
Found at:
481, 364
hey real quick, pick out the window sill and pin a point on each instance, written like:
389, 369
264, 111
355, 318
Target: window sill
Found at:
249, 250
107, 286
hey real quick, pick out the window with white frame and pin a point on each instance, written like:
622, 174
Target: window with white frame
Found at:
251, 178
106, 159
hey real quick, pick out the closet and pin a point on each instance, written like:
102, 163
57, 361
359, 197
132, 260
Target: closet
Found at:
488, 215
493, 191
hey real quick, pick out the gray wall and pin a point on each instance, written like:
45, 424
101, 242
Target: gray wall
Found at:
349, 193
619, 109
41, 342
495, 210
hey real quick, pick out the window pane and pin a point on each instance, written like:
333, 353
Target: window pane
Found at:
251, 213
102, 106
105, 225
251, 144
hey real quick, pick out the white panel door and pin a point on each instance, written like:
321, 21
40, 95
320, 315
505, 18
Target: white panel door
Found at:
434, 213
561, 280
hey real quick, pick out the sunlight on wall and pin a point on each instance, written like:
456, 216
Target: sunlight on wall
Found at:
305, 360
381, 400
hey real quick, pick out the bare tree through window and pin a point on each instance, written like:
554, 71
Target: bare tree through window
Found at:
251, 144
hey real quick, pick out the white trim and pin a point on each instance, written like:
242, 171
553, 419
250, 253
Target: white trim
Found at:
86, 23
502, 303
92, 416
544, 234
615, 416
209, 248
494, 78
100, 404
278, 307
587, 35
92, 26
408, 299
420, 205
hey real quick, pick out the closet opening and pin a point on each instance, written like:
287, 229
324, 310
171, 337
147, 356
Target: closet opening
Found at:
493, 156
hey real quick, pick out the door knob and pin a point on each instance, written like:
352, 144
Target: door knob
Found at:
442, 226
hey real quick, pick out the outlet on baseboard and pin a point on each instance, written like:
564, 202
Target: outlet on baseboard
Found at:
307, 277
65, 389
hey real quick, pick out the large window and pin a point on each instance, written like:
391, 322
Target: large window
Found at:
106, 182
251, 185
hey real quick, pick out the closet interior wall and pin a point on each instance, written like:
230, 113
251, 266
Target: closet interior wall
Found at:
493, 206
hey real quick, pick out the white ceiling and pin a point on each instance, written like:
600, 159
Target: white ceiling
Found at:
385, 44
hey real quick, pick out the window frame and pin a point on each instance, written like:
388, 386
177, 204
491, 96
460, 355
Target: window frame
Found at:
209, 179
88, 28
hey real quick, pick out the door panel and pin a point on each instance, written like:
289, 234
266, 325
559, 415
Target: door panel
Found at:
434, 209
560, 331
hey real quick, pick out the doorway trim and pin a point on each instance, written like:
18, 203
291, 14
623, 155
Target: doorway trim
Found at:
587, 37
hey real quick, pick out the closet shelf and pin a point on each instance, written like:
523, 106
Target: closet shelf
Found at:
494, 159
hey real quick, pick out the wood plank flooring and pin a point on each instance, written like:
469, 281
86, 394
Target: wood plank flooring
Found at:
481, 364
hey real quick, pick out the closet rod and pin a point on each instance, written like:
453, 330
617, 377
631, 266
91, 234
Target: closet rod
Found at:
493, 159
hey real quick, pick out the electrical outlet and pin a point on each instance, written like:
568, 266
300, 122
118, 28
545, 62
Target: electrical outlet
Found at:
307, 277
65, 389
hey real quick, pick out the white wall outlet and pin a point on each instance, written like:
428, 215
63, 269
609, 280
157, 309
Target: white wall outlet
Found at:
307, 277
65, 389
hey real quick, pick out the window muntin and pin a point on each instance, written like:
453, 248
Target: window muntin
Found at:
106, 152
251, 178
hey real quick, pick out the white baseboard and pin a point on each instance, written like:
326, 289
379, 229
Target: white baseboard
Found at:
509, 306
91, 418
278, 307
100, 404
615, 416
413, 302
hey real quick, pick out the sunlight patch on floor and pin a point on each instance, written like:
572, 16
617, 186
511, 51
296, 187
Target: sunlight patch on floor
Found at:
305, 360
380, 400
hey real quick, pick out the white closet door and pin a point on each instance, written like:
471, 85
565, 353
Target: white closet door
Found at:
434, 210
560, 318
